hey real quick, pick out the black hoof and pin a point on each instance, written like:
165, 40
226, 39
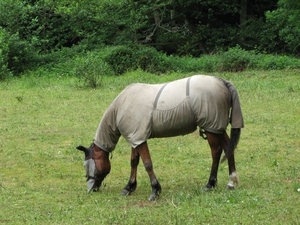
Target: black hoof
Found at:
125, 192
156, 190
153, 197
129, 188
208, 189
211, 184
230, 187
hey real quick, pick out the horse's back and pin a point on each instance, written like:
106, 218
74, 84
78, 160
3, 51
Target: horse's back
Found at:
172, 112
144, 111
184, 104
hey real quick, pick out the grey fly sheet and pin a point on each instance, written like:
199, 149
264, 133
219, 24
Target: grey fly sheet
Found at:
143, 111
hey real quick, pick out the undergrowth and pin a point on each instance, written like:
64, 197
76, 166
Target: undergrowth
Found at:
90, 66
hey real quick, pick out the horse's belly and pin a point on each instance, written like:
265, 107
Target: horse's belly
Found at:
173, 122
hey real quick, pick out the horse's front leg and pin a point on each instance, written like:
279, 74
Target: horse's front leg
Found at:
216, 151
134, 161
233, 177
143, 151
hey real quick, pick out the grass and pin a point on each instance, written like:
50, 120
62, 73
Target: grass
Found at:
42, 178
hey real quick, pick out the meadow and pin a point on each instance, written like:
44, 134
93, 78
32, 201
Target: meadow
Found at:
43, 119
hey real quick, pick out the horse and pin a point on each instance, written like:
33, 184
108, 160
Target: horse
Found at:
144, 111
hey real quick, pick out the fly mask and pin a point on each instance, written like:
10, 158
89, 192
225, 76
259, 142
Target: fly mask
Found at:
93, 176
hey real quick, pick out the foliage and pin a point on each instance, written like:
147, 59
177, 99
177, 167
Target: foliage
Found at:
38, 23
236, 59
127, 58
174, 27
150, 60
35, 33
90, 68
119, 60
4, 49
16, 55
275, 62
286, 20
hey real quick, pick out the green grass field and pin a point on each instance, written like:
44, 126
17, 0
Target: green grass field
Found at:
42, 180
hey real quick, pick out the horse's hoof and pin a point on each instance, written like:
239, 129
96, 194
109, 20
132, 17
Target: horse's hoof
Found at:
207, 189
230, 187
128, 189
153, 197
125, 192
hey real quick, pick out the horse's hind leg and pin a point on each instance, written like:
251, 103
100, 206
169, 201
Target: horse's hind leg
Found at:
214, 141
131, 186
145, 155
233, 178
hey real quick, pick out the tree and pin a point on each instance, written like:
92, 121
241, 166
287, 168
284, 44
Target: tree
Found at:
286, 20
180, 27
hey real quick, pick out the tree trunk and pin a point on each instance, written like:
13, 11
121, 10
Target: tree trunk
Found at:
243, 12
157, 17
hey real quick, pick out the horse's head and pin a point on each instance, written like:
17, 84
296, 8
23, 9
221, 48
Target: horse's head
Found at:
96, 164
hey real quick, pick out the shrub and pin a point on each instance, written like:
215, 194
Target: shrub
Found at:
4, 49
209, 63
125, 58
205, 63
4, 72
276, 62
22, 55
16, 55
150, 60
120, 58
236, 59
91, 68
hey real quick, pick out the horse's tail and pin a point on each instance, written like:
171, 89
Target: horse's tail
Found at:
236, 120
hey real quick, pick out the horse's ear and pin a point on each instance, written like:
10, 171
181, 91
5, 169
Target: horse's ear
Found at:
85, 150
81, 148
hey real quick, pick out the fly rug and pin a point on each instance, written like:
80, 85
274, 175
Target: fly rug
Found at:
144, 111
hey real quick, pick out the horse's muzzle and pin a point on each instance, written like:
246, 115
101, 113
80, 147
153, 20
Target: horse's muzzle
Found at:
94, 183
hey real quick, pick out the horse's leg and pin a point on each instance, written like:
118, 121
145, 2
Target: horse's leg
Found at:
233, 178
214, 141
131, 186
143, 151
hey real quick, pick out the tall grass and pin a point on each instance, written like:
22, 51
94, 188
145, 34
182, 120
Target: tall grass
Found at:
42, 178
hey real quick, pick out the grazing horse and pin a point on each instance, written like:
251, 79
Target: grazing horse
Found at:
144, 111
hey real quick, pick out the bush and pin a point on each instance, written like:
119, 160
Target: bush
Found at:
150, 60
4, 49
22, 55
126, 58
91, 68
276, 62
236, 59
210, 63
205, 63
4, 72
120, 58
16, 55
